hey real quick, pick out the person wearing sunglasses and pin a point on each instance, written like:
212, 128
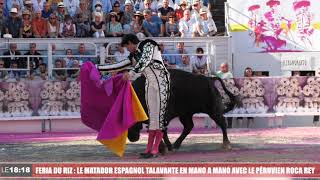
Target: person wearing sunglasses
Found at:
53, 26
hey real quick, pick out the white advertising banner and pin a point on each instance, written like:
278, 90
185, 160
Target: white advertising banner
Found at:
274, 25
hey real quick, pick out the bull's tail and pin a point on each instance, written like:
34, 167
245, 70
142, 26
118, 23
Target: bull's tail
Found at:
234, 100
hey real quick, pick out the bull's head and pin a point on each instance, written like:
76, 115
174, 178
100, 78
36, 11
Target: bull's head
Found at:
134, 132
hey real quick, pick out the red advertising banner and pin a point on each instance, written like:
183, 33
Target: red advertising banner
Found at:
310, 170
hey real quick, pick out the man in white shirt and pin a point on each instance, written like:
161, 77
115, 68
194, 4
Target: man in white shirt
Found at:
206, 26
121, 54
224, 72
186, 25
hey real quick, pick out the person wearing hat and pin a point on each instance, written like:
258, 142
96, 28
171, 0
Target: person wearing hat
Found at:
9, 4
71, 6
61, 13
127, 16
179, 11
114, 28
38, 4
26, 24
196, 6
28, 5
136, 24
205, 26
105, 5
13, 24
39, 25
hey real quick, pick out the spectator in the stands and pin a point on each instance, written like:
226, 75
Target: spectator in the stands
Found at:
39, 25
136, 24
128, 16
11, 52
17, 6
199, 62
182, 7
194, 13
13, 24
74, 73
224, 73
9, 4
153, 28
165, 10
72, 6
38, 4
43, 73
68, 60
105, 6
82, 52
113, 27
206, 26
68, 28
179, 51
117, 11
98, 9
59, 74
186, 25
83, 20
61, 12
26, 24
3, 73
139, 5
28, 5
53, 26
186, 64
46, 12
31, 75
151, 5
98, 26
121, 53
34, 60
172, 28
14, 73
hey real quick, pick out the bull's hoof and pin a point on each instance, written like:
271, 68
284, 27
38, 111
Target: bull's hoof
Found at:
163, 150
226, 146
316, 123
176, 146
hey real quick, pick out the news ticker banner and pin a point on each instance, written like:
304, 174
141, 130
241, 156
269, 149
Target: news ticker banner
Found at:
310, 170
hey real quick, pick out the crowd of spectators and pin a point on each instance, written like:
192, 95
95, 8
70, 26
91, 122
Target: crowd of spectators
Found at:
105, 18
14, 65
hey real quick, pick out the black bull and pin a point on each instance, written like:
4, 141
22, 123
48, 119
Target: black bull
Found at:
190, 94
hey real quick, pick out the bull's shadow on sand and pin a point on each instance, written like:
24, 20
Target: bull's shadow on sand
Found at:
270, 145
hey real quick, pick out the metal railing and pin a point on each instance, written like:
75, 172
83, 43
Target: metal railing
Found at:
101, 51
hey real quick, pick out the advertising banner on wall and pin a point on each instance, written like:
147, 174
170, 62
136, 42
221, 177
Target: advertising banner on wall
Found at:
274, 25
